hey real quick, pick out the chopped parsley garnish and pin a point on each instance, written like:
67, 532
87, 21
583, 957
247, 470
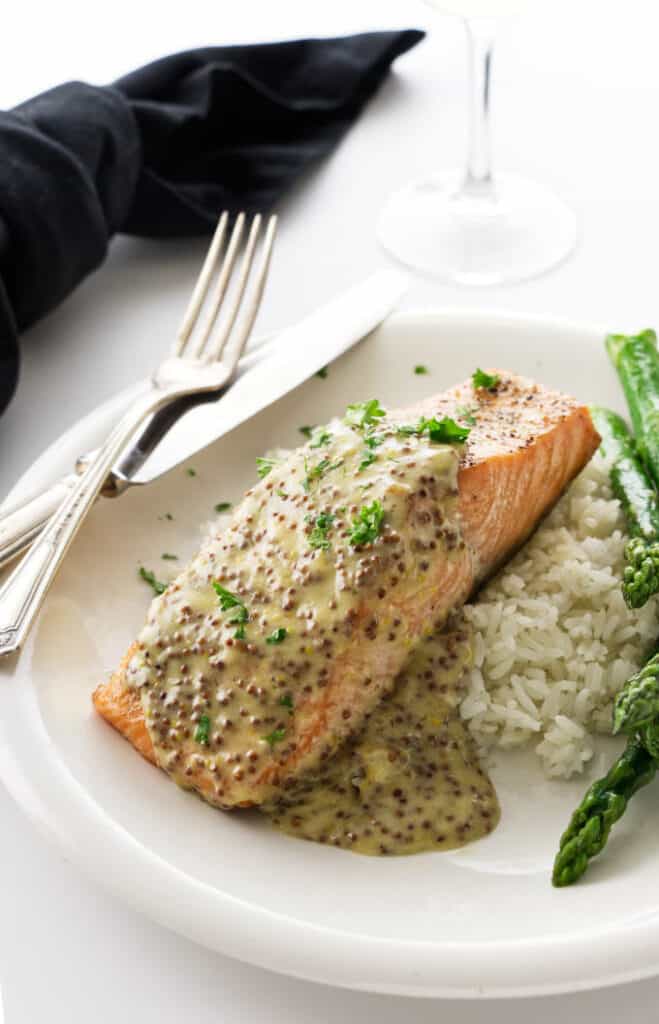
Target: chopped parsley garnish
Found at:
203, 730
320, 437
277, 637
190, 471
480, 379
322, 373
282, 494
167, 515
318, 537
444, 431
364, 414
286, 702
263, 466
318, 471
369, 458
169, 558
228, 601
149, 577
466, 413
276, 736
307, 431
420, 370
238, 620
223, 506
366, 527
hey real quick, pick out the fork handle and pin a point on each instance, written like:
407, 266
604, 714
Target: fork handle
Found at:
22, 594
20, 525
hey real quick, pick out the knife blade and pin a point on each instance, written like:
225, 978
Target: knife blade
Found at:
301, 351
288, 362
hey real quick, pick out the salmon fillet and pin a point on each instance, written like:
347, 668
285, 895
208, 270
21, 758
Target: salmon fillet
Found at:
525, 446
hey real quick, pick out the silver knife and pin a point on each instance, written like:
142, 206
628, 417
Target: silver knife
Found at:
298, 353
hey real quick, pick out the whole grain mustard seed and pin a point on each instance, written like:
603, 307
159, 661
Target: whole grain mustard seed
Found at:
252, 633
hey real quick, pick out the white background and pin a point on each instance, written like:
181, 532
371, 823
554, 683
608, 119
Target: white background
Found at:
576, 104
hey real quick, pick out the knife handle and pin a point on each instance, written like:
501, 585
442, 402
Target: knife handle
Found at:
20, 524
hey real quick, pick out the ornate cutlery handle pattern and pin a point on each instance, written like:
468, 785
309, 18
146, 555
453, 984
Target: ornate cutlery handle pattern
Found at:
23, 592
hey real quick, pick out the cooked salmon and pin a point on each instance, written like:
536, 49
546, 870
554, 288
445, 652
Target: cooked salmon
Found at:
294, 621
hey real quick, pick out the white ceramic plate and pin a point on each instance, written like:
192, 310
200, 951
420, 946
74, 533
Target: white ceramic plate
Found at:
483, 921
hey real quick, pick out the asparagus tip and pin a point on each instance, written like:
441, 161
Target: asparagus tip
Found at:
641, 575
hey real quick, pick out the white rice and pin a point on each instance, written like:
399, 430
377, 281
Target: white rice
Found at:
553, 638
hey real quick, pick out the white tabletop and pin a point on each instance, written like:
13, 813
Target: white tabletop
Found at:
576, 104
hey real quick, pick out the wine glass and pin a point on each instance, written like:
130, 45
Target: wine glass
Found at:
472, 227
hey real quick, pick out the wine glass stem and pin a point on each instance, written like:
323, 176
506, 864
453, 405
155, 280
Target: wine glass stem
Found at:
478, 180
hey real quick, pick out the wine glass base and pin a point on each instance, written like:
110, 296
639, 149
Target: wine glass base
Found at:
520, 232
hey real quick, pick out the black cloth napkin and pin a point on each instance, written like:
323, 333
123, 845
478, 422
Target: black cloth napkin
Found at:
161, 152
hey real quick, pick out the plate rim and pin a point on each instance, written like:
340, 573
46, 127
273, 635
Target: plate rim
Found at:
311, 952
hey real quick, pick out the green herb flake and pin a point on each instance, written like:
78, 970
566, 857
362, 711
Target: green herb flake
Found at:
466, 413
318, 471
167, 515
368, 456
420, 370
322, 373
169, 558
149, 577
286, 702
320, 437
190, 471
229, 601
318, 538
480, 379
276, 736
368, 459
202, 732
264, 466
306, 431
277, 637
223, 506
367, 525
444, 431
361, 415
282, 494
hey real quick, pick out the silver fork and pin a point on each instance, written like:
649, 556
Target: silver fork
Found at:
202, 364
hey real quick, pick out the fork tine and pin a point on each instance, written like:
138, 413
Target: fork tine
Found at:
215, 350
235, 350
222, 284
201, 287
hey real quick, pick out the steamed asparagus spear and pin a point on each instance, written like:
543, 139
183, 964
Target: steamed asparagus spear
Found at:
637, 703
636, 360
603, 804
634, 478
635, 489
